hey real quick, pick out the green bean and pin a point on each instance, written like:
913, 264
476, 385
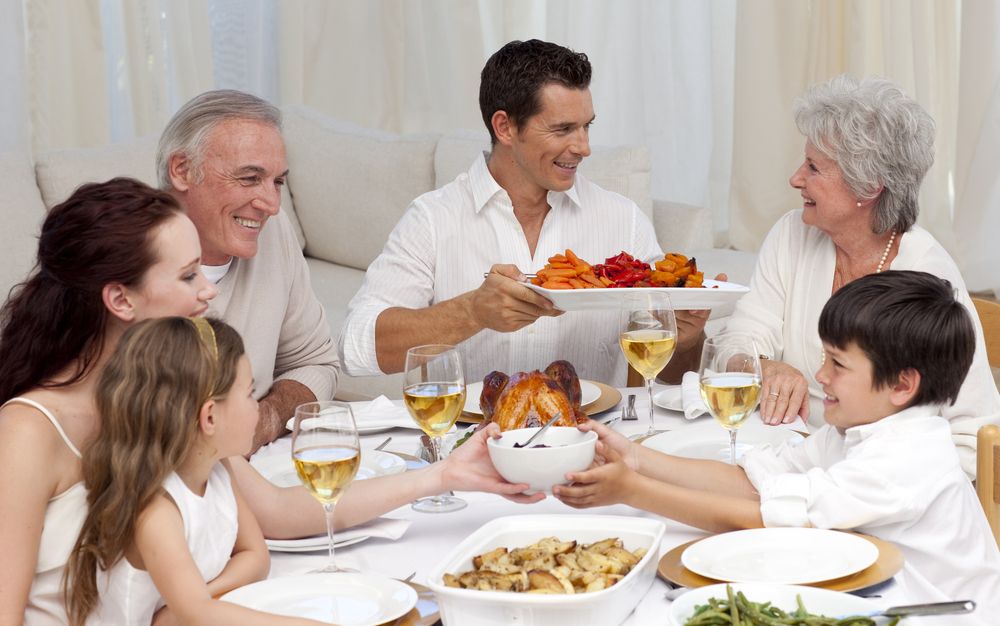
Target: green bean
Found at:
737, 610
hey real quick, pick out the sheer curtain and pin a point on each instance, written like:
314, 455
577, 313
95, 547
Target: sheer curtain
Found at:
660, 71
782, 47
977, 170
707, 86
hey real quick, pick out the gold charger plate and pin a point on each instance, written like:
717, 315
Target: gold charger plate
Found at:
424, 614
888, 563
609, 397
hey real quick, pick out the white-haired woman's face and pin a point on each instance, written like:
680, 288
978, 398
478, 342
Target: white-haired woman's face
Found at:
827, 202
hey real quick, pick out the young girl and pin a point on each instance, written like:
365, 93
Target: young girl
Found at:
113, 253
164, 516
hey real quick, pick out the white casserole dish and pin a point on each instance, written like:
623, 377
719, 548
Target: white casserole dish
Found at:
609, 607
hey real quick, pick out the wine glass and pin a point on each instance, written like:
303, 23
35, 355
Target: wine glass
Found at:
649, 338
434, 394
326, 453
729, 379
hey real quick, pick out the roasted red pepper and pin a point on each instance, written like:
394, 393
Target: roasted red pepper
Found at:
623, 270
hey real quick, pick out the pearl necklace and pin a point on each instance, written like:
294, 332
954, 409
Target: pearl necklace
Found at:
885, 255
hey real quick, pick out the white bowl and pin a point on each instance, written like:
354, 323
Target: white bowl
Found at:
570, 450
816, 600
609, 607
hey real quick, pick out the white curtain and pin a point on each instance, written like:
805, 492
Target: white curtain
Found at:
13, 100
660, 71
783, 46
977, 171
707, 86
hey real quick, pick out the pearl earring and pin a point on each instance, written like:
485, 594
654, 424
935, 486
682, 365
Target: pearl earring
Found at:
859, 204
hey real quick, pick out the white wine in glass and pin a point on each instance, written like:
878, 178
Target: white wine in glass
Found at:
434, 394
649, 339
730, 380
326, 453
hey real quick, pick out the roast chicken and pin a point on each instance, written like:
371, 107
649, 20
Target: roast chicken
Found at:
530, 399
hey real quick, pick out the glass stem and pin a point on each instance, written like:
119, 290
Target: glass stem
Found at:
328, 510
649, 392
732, 445
436, 456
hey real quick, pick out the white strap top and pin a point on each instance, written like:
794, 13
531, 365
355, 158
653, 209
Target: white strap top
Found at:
64, 517
128, 595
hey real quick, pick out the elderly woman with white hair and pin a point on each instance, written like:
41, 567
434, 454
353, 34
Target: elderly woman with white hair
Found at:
868, 146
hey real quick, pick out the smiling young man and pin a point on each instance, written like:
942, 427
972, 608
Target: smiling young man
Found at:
516, 206
223, 158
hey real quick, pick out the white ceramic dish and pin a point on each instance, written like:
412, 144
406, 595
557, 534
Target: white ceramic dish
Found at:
280, 470
342, 599
789, 556
469, 607
820, 601
706, 439
371, 429
570, 450
311, 544
589, 392
715, 293
669, 398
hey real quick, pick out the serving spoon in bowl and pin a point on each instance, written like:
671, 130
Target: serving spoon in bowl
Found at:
539, 431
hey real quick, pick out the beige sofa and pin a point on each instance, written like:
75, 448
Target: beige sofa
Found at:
347, 188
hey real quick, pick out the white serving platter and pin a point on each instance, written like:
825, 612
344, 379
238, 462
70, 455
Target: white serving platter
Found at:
469, 607
714, 293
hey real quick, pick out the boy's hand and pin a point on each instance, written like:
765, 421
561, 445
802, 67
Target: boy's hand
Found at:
615, 441
784, 393
601, 484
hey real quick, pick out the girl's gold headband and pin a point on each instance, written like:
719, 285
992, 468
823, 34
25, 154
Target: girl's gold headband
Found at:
207, 334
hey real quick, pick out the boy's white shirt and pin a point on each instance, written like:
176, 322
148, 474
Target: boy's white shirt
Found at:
898, 479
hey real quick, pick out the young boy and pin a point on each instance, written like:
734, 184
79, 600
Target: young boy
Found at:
898, 346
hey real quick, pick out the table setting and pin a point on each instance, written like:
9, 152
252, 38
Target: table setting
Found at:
405, 542
423, 563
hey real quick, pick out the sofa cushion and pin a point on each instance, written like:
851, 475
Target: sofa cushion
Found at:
23, 211
351, 185
335, 285
60, 172
622, 169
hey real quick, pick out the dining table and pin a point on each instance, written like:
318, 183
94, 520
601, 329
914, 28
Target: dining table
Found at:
429, 538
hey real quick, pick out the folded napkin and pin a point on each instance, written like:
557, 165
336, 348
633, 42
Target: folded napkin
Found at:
691, 399
383, 527
379, 413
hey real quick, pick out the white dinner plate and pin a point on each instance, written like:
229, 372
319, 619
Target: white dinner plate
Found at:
669, 398
789, 556
706, 439
714, 293
343, 599
311, 544
817, 601
280, 470
589, 392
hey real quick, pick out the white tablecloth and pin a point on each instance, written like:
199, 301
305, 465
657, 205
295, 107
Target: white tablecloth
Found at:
432, 536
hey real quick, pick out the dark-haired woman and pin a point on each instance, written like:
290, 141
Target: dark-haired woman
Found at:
112, 254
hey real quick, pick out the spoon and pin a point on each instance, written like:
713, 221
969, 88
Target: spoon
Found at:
383, 444
932, 608
539, 431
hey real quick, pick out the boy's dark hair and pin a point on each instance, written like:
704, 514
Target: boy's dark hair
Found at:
513, 76
903, 320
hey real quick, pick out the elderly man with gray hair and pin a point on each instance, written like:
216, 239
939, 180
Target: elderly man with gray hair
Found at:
222, 156
868, 147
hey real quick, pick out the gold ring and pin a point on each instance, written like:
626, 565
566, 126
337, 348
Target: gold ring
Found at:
774, 393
